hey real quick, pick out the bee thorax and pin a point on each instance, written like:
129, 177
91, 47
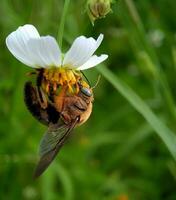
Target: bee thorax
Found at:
75, 107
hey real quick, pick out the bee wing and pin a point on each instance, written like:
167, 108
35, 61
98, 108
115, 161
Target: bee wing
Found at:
51, 143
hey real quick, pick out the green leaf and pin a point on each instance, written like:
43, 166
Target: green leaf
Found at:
129, 94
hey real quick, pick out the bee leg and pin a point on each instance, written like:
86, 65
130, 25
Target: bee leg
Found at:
67, 118
52, 113
73, 111
41, 97
44, 114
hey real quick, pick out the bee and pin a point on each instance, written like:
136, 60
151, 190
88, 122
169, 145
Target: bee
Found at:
60, 110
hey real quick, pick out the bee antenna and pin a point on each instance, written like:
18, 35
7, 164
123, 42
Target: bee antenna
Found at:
85, 77
98, 80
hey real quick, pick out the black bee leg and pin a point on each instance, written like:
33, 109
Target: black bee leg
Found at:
35, 103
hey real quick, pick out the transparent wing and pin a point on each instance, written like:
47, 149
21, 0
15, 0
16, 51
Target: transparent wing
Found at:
51, 138
51, 143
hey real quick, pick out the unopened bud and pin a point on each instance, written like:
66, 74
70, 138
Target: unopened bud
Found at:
97, 9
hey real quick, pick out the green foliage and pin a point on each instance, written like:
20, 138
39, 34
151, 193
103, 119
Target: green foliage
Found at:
117, 154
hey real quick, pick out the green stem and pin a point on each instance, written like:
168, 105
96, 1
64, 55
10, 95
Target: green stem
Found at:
62, 23
161, 129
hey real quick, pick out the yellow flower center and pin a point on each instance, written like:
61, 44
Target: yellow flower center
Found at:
55, 77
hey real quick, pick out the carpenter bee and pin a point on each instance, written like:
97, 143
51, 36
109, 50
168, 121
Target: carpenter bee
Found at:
58, 107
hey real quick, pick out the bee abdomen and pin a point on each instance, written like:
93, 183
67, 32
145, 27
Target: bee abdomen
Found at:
30, 100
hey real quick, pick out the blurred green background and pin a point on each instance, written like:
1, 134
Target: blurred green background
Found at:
127, 149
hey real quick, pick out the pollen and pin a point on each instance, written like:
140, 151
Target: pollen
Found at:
55, 78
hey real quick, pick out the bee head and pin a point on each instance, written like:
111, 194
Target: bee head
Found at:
86, 91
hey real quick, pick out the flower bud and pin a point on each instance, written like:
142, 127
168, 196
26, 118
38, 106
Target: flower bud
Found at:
97, 9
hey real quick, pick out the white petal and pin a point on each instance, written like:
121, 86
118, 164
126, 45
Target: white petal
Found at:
81, 50
93, 61
17, 43
44, 52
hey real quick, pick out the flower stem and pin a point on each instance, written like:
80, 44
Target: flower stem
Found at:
62, 23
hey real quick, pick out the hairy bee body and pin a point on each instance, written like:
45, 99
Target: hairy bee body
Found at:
73, 106
60, 111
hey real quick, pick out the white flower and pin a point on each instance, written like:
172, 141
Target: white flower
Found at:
43, 51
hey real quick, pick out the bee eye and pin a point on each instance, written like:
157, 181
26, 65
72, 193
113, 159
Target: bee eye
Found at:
86, 91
